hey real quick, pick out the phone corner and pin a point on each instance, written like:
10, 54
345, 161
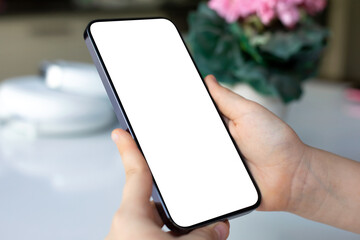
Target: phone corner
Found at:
87, 31
167, 21
258, 199
85, 34
165, 215
258, 202
176, 228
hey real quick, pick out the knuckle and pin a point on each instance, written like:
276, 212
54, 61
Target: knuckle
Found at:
130, 172
207, 234
118, 215
136, 171
119, 218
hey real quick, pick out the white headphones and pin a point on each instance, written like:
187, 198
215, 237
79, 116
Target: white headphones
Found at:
73, 101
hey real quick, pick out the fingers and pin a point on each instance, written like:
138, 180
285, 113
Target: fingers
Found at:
138, 186
229, 103
217, 231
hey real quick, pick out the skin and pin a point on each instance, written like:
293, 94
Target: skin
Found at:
292, 176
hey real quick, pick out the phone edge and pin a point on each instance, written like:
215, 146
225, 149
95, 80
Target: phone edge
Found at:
125, 125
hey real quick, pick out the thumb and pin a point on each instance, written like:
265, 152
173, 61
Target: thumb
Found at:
138, 185
216, 231
229, 103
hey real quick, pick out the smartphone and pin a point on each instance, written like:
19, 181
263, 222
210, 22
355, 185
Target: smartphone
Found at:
159, 96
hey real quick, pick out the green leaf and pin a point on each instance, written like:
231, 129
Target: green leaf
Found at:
257, 77
287, 85
245, 43
214, 47
282, 45
274, 65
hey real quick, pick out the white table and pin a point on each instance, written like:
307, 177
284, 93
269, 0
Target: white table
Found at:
69, 188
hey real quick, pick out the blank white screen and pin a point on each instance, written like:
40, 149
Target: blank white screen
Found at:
191, 156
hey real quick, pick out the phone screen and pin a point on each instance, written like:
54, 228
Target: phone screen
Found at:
195, 164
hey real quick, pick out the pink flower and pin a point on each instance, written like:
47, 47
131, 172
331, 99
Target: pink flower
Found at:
314, 6
294, 2
225, 8
232, 10
247, 7
288, 13
266, 10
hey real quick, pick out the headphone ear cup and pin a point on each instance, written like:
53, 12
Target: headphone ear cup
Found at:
73, 77
26, 101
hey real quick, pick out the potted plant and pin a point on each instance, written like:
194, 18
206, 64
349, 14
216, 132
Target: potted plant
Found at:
263, 49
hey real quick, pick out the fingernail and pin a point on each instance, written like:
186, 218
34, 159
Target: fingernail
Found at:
212, 77
114, 136
221, 231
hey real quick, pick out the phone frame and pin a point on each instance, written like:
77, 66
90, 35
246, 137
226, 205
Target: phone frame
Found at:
126, 125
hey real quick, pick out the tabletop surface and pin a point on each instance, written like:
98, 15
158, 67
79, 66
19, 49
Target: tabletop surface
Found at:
69, 188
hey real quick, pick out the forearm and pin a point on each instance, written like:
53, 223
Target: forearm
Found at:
326, 188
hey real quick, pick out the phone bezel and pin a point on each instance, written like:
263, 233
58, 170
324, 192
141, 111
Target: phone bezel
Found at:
125, 124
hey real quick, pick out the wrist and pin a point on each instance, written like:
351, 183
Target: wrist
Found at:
322, 190
284, 192
309, 186
301, 184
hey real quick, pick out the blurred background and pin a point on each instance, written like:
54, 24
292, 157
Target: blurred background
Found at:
38, 30
61, 176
